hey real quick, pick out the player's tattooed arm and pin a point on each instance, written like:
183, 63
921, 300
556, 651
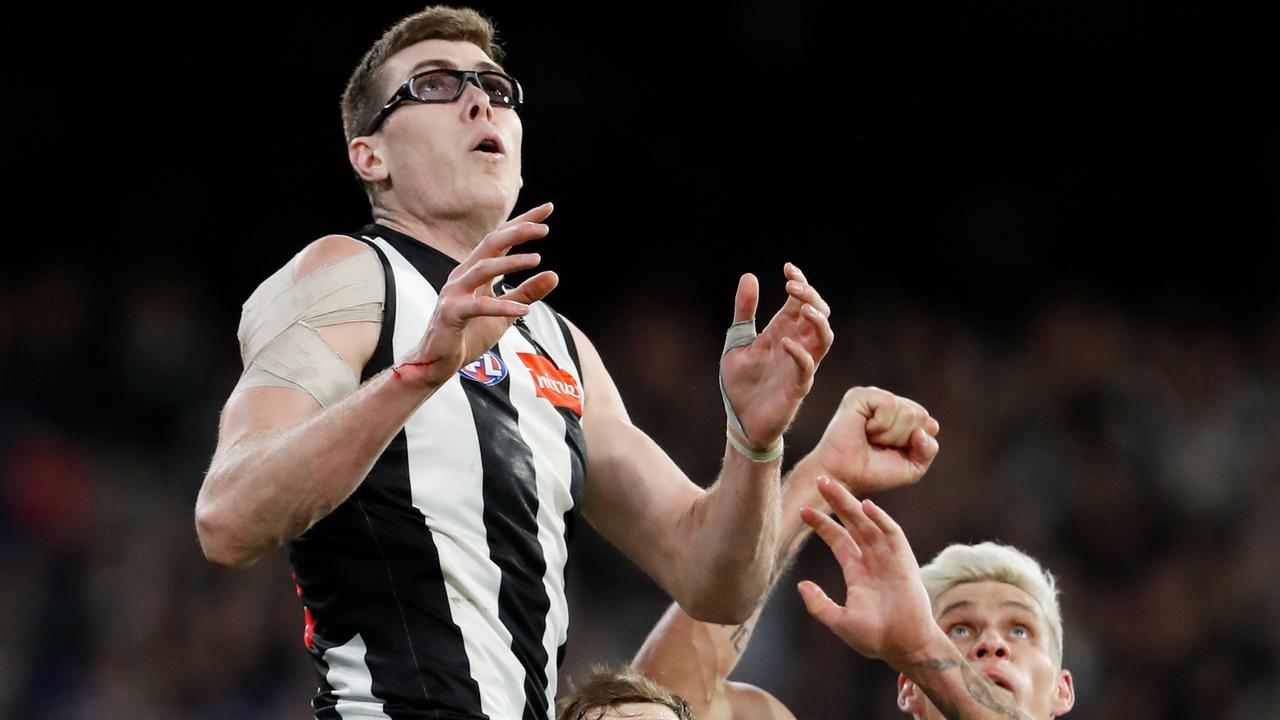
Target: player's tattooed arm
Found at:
931, 675
694, 659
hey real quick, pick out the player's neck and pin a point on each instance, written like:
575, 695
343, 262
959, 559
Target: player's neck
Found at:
455, 237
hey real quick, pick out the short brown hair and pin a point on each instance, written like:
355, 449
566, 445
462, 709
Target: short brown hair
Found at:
363, 97
605, 688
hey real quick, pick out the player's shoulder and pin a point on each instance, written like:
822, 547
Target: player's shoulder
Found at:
749, 702
326, 251
351, 264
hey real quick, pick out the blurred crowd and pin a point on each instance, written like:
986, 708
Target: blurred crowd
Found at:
1135, 452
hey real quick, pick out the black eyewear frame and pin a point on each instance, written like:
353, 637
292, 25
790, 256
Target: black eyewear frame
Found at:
502, 89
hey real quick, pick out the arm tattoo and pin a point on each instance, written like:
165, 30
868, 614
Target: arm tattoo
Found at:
787, 553
977, 685
938, 664
740, 636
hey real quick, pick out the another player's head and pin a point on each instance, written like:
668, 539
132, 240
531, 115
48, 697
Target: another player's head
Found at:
616, 694
1000, 608
426, 137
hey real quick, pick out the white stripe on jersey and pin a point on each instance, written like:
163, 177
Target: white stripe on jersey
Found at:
543, 430
447, 485
349, 677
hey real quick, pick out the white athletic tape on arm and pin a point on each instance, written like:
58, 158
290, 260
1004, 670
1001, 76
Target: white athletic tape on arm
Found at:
743, 333
278, 340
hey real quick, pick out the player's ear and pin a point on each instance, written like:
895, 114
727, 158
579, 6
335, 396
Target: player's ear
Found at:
1064, 694
366, 159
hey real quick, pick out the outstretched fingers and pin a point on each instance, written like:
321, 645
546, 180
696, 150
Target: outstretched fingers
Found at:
500, 241
833, 534
533, 215
850, 511
484, 306
821, 326
887, 525
483, 272
798, 288
534, 289
804, 361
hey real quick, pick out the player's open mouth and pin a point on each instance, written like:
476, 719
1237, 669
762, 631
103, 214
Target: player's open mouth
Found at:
999, 681
489, 144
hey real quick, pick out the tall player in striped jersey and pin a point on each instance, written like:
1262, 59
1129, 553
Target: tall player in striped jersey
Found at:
424, 442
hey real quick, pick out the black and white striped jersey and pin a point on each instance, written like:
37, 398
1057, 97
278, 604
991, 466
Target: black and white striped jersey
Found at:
437, 590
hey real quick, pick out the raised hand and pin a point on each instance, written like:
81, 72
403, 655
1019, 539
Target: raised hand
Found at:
468, 318
886, 613
877, 440
766, 380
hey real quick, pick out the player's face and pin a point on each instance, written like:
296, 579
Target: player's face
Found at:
1003, 633
639, 711
450, 160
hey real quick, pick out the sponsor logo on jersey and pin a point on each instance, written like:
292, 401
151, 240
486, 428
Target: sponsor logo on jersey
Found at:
488, 369
552, 383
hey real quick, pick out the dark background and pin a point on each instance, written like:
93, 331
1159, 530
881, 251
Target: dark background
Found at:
1055, 226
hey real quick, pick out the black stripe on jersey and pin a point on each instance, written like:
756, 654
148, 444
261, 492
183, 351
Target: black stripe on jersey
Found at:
383, 355
511, 525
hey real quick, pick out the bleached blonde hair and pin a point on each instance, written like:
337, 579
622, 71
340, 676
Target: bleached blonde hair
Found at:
959, 564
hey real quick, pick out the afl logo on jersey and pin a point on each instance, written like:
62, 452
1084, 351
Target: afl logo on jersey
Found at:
486, 370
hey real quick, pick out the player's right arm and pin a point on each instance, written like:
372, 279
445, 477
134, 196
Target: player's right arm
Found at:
283, 462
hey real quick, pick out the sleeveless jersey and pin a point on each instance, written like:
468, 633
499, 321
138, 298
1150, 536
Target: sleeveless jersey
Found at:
437, 590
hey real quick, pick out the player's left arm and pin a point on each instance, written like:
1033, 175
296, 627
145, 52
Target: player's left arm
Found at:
711, 550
